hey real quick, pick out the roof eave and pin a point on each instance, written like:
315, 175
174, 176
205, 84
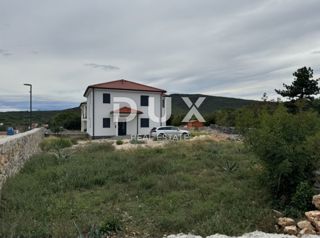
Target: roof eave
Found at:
124, 89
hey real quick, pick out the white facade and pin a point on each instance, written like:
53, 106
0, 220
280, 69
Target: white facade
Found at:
102, 121
83, 107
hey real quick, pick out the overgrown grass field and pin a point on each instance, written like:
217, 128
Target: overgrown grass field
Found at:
200, 187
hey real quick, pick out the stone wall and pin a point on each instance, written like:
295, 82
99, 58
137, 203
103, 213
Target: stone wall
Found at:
15, 150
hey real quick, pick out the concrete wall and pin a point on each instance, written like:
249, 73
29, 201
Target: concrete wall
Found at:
15, 150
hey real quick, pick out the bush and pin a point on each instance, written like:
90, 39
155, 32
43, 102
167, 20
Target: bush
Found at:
112, 225
226, 117
98, 147
54, 143
55, 146
119, 142
288, 146
176, 120
136, 141
301, 200
70, 119
247, 118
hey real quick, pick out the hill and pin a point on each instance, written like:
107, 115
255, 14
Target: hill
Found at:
20, 119
209, 105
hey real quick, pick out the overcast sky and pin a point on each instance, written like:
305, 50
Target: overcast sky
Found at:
238, 48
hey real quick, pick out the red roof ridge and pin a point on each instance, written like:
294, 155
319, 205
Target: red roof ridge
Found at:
123, 84
127, 110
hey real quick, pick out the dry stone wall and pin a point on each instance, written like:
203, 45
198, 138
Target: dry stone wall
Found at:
16, 150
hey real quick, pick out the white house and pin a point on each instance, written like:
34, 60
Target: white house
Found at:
122, 107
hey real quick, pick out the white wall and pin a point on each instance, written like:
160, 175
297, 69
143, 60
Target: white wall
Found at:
84, 111
103, 110
89, 112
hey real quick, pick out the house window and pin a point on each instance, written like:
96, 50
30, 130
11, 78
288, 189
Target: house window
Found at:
106, 122
163, 103
106, 98
144, 100
144, 122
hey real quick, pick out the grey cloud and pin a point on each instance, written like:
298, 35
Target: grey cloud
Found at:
240, 48
5, 52
105, 67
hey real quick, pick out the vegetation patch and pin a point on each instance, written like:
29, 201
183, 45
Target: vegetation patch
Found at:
54, 143
137, 141
183, 187
119, 142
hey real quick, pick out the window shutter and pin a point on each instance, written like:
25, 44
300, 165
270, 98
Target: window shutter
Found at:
106, 98
144, 122
106, 122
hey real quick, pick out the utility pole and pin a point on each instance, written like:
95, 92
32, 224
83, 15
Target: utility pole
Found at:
30, 114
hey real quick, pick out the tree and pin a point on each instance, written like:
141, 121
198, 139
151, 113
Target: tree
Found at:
288, 145
68, 119
302, 87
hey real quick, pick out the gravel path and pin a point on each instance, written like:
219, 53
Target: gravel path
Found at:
256, 234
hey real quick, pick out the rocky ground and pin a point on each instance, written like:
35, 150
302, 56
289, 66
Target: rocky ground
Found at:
256, 234
309, 225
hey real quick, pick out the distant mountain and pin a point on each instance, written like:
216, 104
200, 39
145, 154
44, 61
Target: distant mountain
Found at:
209, 105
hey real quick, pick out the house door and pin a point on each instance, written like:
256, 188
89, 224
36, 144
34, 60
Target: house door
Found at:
122, 128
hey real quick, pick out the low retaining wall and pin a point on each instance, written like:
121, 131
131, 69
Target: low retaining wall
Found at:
15, 150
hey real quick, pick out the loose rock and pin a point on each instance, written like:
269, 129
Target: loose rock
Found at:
314, 218
306, 231
316, 201
286, 221
312, 215
290, 230
256, 234
304, 224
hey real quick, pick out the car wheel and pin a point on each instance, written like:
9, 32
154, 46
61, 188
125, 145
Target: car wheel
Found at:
160, 136
185, 135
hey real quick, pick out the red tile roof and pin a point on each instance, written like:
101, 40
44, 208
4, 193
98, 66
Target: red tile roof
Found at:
127, 110
125, 85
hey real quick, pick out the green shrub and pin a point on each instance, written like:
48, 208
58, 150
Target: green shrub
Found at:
55, 143
136, 141
119, 142
98, 147
230, 166
111, 225
301, 200
69, 119
288, 146
175, 120
226, 117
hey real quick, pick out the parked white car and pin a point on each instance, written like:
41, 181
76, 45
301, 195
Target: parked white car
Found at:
169, 132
